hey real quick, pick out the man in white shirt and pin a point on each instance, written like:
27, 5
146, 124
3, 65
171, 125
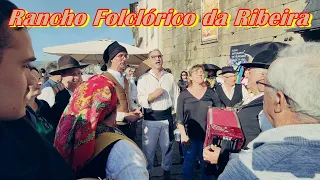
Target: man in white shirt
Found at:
128, 112
157, 94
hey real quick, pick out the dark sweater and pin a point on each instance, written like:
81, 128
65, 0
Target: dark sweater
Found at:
39, 119
61, 102
192, 112
25, 154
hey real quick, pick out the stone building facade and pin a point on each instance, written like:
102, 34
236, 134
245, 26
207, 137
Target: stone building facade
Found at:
182, 48
148, 37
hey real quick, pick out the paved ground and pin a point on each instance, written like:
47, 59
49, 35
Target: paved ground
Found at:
176, 170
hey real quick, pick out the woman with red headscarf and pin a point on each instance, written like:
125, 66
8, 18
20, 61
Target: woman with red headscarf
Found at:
87, 137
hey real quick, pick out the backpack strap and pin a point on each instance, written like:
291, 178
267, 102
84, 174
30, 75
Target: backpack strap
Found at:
107, 138
95, 167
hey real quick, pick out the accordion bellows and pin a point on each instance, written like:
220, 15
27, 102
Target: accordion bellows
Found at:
223, 126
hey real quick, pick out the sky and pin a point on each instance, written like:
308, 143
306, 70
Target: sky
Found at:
50, 36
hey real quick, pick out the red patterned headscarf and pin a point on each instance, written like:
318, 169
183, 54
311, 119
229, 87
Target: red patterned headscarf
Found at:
88, 106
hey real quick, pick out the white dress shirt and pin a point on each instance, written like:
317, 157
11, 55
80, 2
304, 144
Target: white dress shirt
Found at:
132, 90
252, 97
245, 93
48, 95
219, 80
148, 83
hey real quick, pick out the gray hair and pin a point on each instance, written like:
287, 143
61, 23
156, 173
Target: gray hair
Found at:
153, 51
296, 72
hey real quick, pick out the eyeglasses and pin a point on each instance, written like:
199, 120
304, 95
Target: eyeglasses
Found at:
157, 56
288, 99
264, 84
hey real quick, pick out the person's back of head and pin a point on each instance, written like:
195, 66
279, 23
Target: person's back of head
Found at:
296, 73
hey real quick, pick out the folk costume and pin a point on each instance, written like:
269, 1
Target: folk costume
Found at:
238, 94
87, 144
58, 98
123, 88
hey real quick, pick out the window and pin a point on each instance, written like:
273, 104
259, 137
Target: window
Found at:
133, 7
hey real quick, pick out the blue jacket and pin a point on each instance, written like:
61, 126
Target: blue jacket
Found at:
287, 152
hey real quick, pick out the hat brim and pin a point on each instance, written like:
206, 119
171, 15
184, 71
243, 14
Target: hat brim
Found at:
58, 72
255, 65
142, 68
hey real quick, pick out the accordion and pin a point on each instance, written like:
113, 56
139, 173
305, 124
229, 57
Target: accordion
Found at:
223, 128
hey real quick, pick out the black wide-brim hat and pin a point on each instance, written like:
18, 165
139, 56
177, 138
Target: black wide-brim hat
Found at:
67, 62
262, 60
227, 69
211, 67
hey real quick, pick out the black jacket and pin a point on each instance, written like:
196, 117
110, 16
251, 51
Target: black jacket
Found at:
237, 96
25, 154
61, 101
249, 119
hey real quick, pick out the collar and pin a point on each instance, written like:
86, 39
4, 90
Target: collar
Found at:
252, 98
40, 105
306, 131
224, 87
102, 128
257, 96
153, 74
70, 92
116, 73
51, 82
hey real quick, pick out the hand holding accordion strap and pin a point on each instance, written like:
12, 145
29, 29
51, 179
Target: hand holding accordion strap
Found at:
226, 150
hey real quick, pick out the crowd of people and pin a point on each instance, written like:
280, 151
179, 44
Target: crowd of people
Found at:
55, 125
